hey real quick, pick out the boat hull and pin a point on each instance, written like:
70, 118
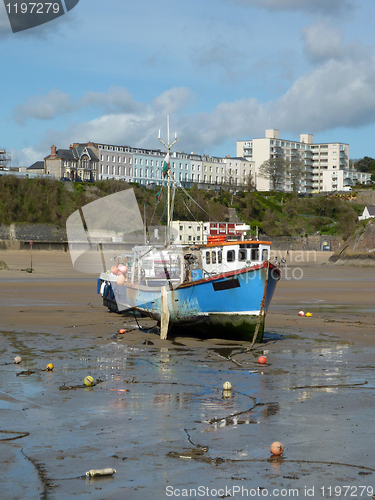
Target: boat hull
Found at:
232, 305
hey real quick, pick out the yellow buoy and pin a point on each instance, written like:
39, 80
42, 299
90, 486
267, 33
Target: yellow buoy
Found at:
89, 381
50, 367
308, 315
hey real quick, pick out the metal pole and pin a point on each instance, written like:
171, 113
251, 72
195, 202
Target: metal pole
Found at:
168, 146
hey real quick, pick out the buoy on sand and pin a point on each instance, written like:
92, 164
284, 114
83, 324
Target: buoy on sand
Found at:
227, 386
89, 381
308, 315
262, 360
49, 367
17, 360
277, 448
121, 330
301, 313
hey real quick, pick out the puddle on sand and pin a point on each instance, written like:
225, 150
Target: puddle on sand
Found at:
155, 404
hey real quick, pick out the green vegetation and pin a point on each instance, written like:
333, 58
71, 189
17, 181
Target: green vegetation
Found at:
51, 202
366, 164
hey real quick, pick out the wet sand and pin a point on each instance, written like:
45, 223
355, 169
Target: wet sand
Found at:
158, 415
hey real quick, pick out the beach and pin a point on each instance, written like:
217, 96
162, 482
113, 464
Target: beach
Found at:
158, 415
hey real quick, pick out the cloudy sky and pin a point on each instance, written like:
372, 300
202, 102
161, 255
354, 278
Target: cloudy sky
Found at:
224, 70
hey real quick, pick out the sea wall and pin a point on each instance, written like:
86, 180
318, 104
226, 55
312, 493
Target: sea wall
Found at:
311, 243
42, 236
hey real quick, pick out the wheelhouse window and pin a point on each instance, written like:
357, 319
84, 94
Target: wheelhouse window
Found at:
213, 257
231, 256
254, 254
242, 254
208, 260
265, 254
220, 256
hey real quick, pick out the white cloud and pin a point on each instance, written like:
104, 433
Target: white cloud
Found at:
336, 94
116, 100
313, 6
323, 41
57, 103
44, 107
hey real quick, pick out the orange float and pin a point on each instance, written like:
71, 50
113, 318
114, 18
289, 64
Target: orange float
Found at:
277, 448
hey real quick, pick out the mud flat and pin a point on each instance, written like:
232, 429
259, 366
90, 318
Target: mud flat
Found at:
158, 415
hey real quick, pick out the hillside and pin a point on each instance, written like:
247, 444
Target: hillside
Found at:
45, 201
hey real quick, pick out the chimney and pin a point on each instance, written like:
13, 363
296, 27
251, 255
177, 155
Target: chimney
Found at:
70, 147
90, 144
75, 144
53, 152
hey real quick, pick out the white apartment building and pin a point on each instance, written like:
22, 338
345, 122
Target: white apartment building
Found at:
326, 165
197, 232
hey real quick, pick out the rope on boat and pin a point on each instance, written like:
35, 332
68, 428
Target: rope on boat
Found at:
262, 306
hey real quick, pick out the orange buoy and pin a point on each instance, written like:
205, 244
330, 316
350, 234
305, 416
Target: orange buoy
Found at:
301, 313
277, 448
121, 330
114, 269
262, 360
120, 280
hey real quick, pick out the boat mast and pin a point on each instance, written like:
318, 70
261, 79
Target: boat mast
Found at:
168, 146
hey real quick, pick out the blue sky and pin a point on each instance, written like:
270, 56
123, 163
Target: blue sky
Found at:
224, 70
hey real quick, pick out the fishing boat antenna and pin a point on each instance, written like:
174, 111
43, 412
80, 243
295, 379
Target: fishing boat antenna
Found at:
168, 146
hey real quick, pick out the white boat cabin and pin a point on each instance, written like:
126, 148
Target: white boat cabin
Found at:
225, 256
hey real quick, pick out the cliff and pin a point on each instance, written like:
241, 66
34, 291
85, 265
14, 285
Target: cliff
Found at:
359, 248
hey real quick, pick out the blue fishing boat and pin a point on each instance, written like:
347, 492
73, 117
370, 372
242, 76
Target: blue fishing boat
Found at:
224, 288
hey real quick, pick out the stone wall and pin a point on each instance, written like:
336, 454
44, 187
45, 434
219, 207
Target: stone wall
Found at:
366, 197
311, 243
43, 236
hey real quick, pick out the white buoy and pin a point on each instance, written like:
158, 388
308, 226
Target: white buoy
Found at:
227, 386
